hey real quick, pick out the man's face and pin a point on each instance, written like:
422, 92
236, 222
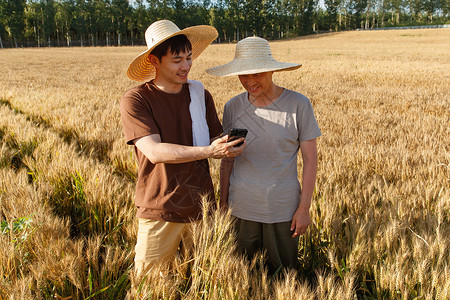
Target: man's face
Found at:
174, 68
258, 84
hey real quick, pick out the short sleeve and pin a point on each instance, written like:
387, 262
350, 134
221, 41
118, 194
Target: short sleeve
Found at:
215, 128
307, 124
137, 117
226, 120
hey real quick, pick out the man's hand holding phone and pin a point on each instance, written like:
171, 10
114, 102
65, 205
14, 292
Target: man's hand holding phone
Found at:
221, 147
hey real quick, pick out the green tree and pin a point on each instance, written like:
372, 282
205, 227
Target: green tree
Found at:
65, 17
303, 15
163, 9
180, 13
198, 12
235, 17
3, 22
416, 8
395, 9
280, 12
444, 6
140, 19
35, 19
431, 7
15, 12
79, 24
49, 25
356, 8
91, 18
321, 20
253, 17
332, 7
217, 19
121, 12
104, 21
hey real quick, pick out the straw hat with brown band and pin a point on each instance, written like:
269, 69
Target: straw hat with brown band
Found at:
252, 56
140, 69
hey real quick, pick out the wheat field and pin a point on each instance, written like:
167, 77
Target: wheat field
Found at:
381, 208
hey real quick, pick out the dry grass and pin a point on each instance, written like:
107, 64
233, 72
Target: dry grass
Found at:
380, 212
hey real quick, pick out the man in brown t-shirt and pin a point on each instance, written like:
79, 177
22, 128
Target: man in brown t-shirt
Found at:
171, 120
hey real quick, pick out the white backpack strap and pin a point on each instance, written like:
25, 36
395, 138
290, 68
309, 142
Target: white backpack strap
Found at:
197, 108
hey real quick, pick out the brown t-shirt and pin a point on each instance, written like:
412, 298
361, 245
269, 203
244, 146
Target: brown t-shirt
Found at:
169, 192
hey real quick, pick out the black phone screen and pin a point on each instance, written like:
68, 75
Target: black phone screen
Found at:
236, 133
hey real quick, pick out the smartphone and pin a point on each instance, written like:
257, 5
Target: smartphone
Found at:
236, 133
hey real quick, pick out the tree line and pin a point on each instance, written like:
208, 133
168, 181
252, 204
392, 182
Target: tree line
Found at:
52, 23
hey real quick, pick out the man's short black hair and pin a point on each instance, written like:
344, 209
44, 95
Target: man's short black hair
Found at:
176, 44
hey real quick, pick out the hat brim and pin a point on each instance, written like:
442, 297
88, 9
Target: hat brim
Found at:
251, 66
201, 36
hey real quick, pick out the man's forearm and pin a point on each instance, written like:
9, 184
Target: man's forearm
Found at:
173, 153
158, 152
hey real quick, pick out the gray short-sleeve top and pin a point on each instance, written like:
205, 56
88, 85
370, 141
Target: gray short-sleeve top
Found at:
264, 186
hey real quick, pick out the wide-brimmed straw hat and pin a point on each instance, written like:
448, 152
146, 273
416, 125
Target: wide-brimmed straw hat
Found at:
252, 56
140, 69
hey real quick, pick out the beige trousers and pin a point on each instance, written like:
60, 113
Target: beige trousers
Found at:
158, 242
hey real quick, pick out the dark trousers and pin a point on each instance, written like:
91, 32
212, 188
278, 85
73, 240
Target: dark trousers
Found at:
275, 239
